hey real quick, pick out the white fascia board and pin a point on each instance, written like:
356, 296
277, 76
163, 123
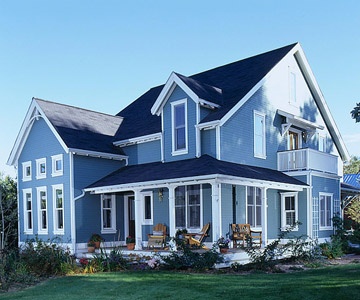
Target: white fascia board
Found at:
98, 154
26, 126
320, 100
138, 140
296, 120
197, 180
208, 125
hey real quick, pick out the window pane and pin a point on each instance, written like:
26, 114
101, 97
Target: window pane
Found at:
180, 138
179, 115
42, 168
180, 217
28, 171
258, 217
43, 220
60, 219
290, 218
29, 225
258, 196
194, 216
107, 218
250, 195
147, 207
250, 212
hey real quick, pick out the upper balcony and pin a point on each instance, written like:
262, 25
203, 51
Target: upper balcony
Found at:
307, 159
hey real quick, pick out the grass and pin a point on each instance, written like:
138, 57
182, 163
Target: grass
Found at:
342, 282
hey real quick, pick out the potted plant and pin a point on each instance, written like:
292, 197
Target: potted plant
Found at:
223, 244
91, 246
97, 239
130, 242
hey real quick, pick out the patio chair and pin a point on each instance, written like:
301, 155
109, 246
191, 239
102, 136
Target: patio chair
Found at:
244, 233
196, 239
157, 239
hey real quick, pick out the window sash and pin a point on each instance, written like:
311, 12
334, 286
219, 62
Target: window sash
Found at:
188, 206
42, 208
28, 220
254, 206
325, 211
108, 213
58, 193
259, 135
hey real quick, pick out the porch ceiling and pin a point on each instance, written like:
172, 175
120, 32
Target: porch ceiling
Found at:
199, 170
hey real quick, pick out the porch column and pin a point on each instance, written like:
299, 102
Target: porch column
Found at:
264, 216
138, 220
216, 211
172, 229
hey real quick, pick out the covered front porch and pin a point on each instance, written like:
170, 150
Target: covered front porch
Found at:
188, 194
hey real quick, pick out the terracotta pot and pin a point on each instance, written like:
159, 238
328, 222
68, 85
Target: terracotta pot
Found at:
224, 250
97, 245
130, 246
91, 249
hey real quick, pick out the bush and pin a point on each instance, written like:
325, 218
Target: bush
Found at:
46, 258
332, 249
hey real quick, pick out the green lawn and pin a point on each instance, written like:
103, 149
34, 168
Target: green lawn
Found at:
336, 282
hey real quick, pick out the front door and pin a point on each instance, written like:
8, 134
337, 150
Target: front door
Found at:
131, 214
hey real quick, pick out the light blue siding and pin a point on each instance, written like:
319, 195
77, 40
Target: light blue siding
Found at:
208, 142
143, 153
41, 143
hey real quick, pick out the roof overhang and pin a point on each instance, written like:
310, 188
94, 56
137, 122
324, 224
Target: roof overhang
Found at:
98, 154
173, 81
213, 178
138, 140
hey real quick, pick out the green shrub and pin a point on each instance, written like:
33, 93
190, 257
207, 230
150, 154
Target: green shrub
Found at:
332, 249
45, 258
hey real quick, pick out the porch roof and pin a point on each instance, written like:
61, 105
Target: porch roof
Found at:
196, 169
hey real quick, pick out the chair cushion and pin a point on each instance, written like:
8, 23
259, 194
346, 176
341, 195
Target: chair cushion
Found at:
158, 233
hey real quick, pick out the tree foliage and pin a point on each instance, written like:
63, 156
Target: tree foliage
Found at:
8, 213
353, 211
355, 113
353, 167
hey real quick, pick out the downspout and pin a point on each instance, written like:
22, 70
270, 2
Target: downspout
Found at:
72, 204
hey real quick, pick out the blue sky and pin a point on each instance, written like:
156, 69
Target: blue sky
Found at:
102, 55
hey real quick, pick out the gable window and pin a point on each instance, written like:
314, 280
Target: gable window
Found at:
179, 127
57, 165
26, 170
148, 208
322, 143
289, 210
326, 211
58, 197
254, 199
28, 214
41, 168
42, 210
108, 215
292, 87
259, 135
188, 206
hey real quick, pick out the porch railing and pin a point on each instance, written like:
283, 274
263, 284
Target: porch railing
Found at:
307, 159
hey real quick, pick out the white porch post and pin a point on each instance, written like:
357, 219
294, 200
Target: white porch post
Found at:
264, 216
172, 228
138, 220
216, 211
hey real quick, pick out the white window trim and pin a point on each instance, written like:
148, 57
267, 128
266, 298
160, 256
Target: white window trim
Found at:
261, 207
113, 215
56, 229
39, 162
191, 229
263, 117
38, 191
148, 221
54, 159
173, 140
284, 226
331, 211
24, 166
26, 221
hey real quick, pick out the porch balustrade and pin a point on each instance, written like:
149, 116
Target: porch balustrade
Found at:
307, 159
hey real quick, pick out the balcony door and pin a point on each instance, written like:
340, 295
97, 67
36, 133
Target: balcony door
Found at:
294, 140
295, 159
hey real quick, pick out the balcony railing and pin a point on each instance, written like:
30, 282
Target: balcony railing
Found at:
307, 159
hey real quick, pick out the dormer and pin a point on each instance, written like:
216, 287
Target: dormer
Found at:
182, 104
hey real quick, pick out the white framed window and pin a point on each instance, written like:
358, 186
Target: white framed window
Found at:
188, 207
289, 210
108, 213
26, 168
322, 143
179, 127
292, 87
148, 208
58, 206
253, 206
41, 168
326, 211
57, 165
259, 135
42, 210
28, 211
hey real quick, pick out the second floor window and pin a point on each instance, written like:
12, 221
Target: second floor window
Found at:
259, 135
26, 170
40, 168
179, 128
57, 165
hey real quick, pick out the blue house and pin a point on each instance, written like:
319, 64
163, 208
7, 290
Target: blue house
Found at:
249, 142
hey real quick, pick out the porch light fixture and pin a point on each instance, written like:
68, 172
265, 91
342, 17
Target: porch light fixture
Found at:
161, 194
